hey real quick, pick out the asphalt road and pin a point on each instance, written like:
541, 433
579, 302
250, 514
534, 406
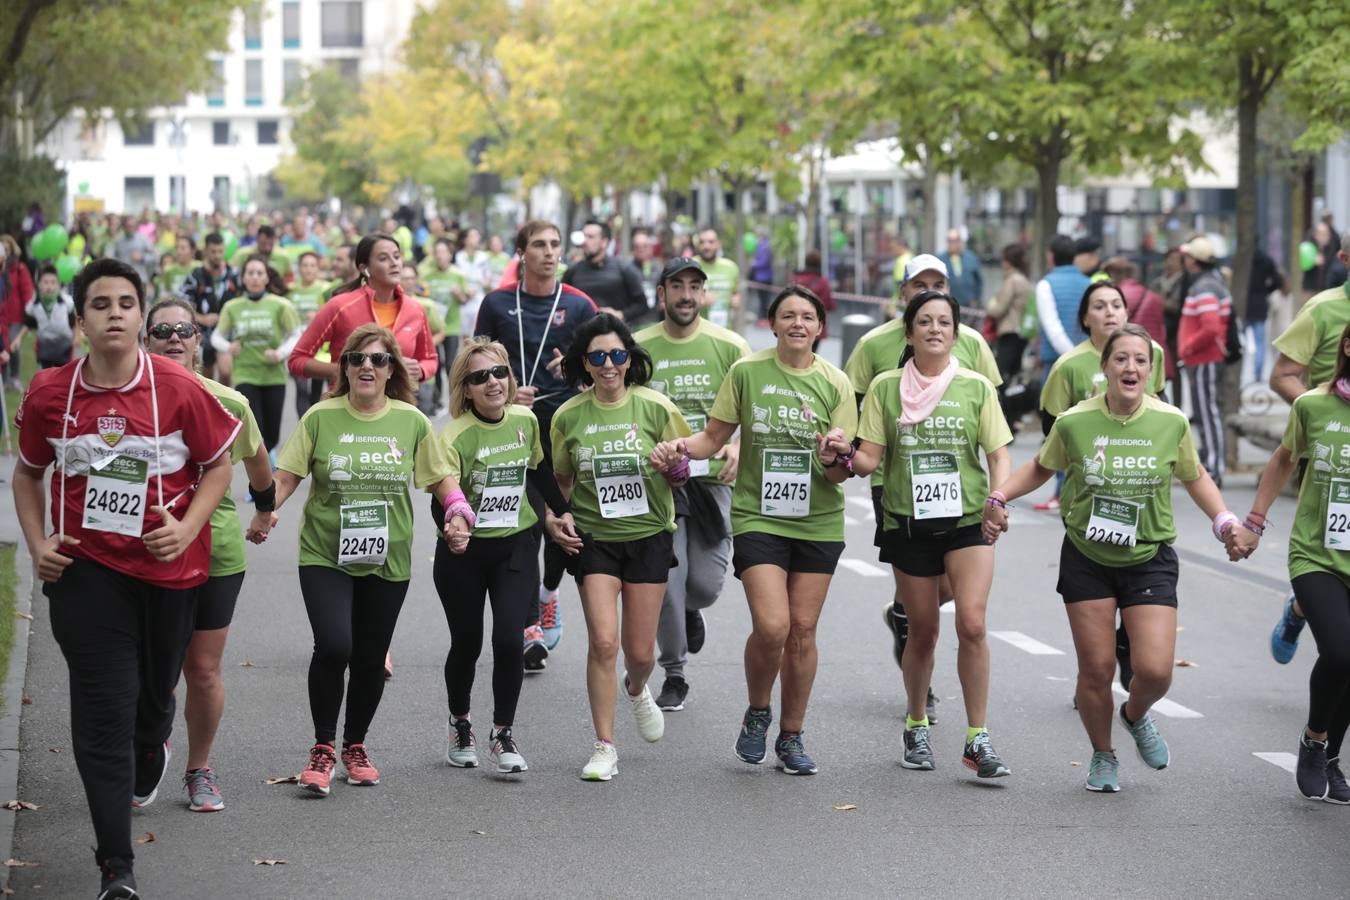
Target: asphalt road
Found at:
685, 817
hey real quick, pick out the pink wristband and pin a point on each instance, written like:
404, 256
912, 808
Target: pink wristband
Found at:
1222, 522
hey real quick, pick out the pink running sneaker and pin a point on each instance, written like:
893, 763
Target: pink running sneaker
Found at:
359, 768
318, 774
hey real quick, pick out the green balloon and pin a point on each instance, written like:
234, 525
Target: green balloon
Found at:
84, 187
67, 267
42, 246
56, 237
231, 243
1307, 255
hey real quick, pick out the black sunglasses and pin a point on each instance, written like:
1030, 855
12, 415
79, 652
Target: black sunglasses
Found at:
480, 377
597, 357
358, 359
163, 330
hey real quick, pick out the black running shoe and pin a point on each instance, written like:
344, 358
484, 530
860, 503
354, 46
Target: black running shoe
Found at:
695, 630
1122, 657
980, 756
150, 768
1311, 773
673, 692
896, 620
118, 881
1337, 789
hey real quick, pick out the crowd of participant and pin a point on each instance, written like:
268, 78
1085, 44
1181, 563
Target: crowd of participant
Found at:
645, 449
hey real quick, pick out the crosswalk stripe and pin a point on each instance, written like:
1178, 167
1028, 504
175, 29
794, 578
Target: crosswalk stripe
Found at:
1025, 643
863, 568
1164, 707
1286, 761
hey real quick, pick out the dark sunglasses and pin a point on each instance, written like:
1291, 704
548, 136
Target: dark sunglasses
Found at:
358, 359
480, 377
163, 330
597, 357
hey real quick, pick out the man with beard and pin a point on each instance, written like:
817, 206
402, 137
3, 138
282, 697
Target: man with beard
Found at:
207, 288
723, 290
614, 285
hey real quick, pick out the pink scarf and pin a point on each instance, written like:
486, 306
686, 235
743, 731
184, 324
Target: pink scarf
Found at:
919, 393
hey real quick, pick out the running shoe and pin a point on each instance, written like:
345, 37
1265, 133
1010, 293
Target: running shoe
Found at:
118, 882
1122, 658
918, 750
463, 749
536, 651
550, 618
203, 791
318, 774
360, 770
980, 756
792, 757
1284, 637
1051, 505
151, 767
930, 707
673, 692
1337, 789
1150, 744
604, 763
695, 630
1311, 773
1104, 773
651, 724
502, 751
752, 744
896, 620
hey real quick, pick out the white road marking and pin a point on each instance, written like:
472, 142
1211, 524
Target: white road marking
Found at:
862, 503
849, 520
863, 568
1164, 707
1286, 761
1025, 643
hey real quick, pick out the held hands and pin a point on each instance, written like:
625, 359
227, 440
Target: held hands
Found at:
259, 527
732, 454
666, 455
995, 522
831, 446
1240, 542
51, 561
167, 542
563, 532
457, 532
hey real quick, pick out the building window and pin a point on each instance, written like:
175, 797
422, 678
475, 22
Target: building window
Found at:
138, 192
292, 79
348, 69
253, 82
139, 136
267, 131
220, 134
340, 23
290, 25
253, 30
215, 93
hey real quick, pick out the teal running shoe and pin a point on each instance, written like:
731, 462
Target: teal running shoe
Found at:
1150, 744
1104, 773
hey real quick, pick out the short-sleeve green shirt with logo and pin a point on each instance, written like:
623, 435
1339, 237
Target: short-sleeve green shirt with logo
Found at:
689, 370
724, 278
780, 411
1319, 430
258, 325
307, 298
967, 419
227, 541
609, 443
1313, 339
1119, 475
499, 452
362, 459
442, 285
1078, 375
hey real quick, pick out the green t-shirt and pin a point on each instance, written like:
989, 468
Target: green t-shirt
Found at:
491, 458
446, 287
1319, 430
171, 277
435, 322
1078, 375
942, 450
781, 486
724, 278
358, 508
227, 540
1119, 477
1313, 339
605, 448
689, 371
277, 260
258, 325
308, 298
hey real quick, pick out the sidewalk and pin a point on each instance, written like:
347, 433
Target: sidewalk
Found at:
12, 697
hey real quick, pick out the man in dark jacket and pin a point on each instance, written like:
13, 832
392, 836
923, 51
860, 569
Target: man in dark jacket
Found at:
610, 281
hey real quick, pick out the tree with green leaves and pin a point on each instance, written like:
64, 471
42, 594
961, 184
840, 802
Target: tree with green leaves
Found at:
332, 158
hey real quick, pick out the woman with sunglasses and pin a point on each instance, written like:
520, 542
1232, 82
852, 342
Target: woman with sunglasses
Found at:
361, 445
787, 511
604, 459
171, 332
924, 425
494, 450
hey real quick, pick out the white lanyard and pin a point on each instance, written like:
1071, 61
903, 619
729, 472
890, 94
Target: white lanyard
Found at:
520, 327
65, 431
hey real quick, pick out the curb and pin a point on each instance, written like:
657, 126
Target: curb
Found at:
13, 712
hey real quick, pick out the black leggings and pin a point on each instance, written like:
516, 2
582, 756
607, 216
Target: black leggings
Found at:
308, 391
1325, 600
506, 571
353, 621
267, 401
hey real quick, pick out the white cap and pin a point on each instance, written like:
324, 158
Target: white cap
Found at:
922, 263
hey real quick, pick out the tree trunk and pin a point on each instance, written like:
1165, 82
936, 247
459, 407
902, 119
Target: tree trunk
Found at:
1047, 206
1248, 109
930, 229
814, 170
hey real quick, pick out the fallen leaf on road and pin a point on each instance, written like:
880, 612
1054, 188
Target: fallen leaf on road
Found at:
24, 615
269, 862
283, 779
17, 805
20, 864
845, 807
27, 701
476, 831
247, 664
53, 749
1186, 664
147, 838
1075, 763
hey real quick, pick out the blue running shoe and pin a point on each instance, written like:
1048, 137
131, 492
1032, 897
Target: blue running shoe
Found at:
1104, 773
792, 757
550, 618
752, 744
1150, 744
1284, 637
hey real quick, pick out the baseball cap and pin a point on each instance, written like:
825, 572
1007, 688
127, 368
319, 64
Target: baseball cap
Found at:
1086, 245
679, 264
923, 263
1199, 248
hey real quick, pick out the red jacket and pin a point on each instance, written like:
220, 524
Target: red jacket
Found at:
18, 291
343, 314
1202, 336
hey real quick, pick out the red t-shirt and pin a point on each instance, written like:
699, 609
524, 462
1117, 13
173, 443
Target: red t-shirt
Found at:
106, 423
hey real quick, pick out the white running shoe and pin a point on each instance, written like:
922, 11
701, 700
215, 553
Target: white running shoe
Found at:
604, 763
463, 749
504, 753
651, 722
